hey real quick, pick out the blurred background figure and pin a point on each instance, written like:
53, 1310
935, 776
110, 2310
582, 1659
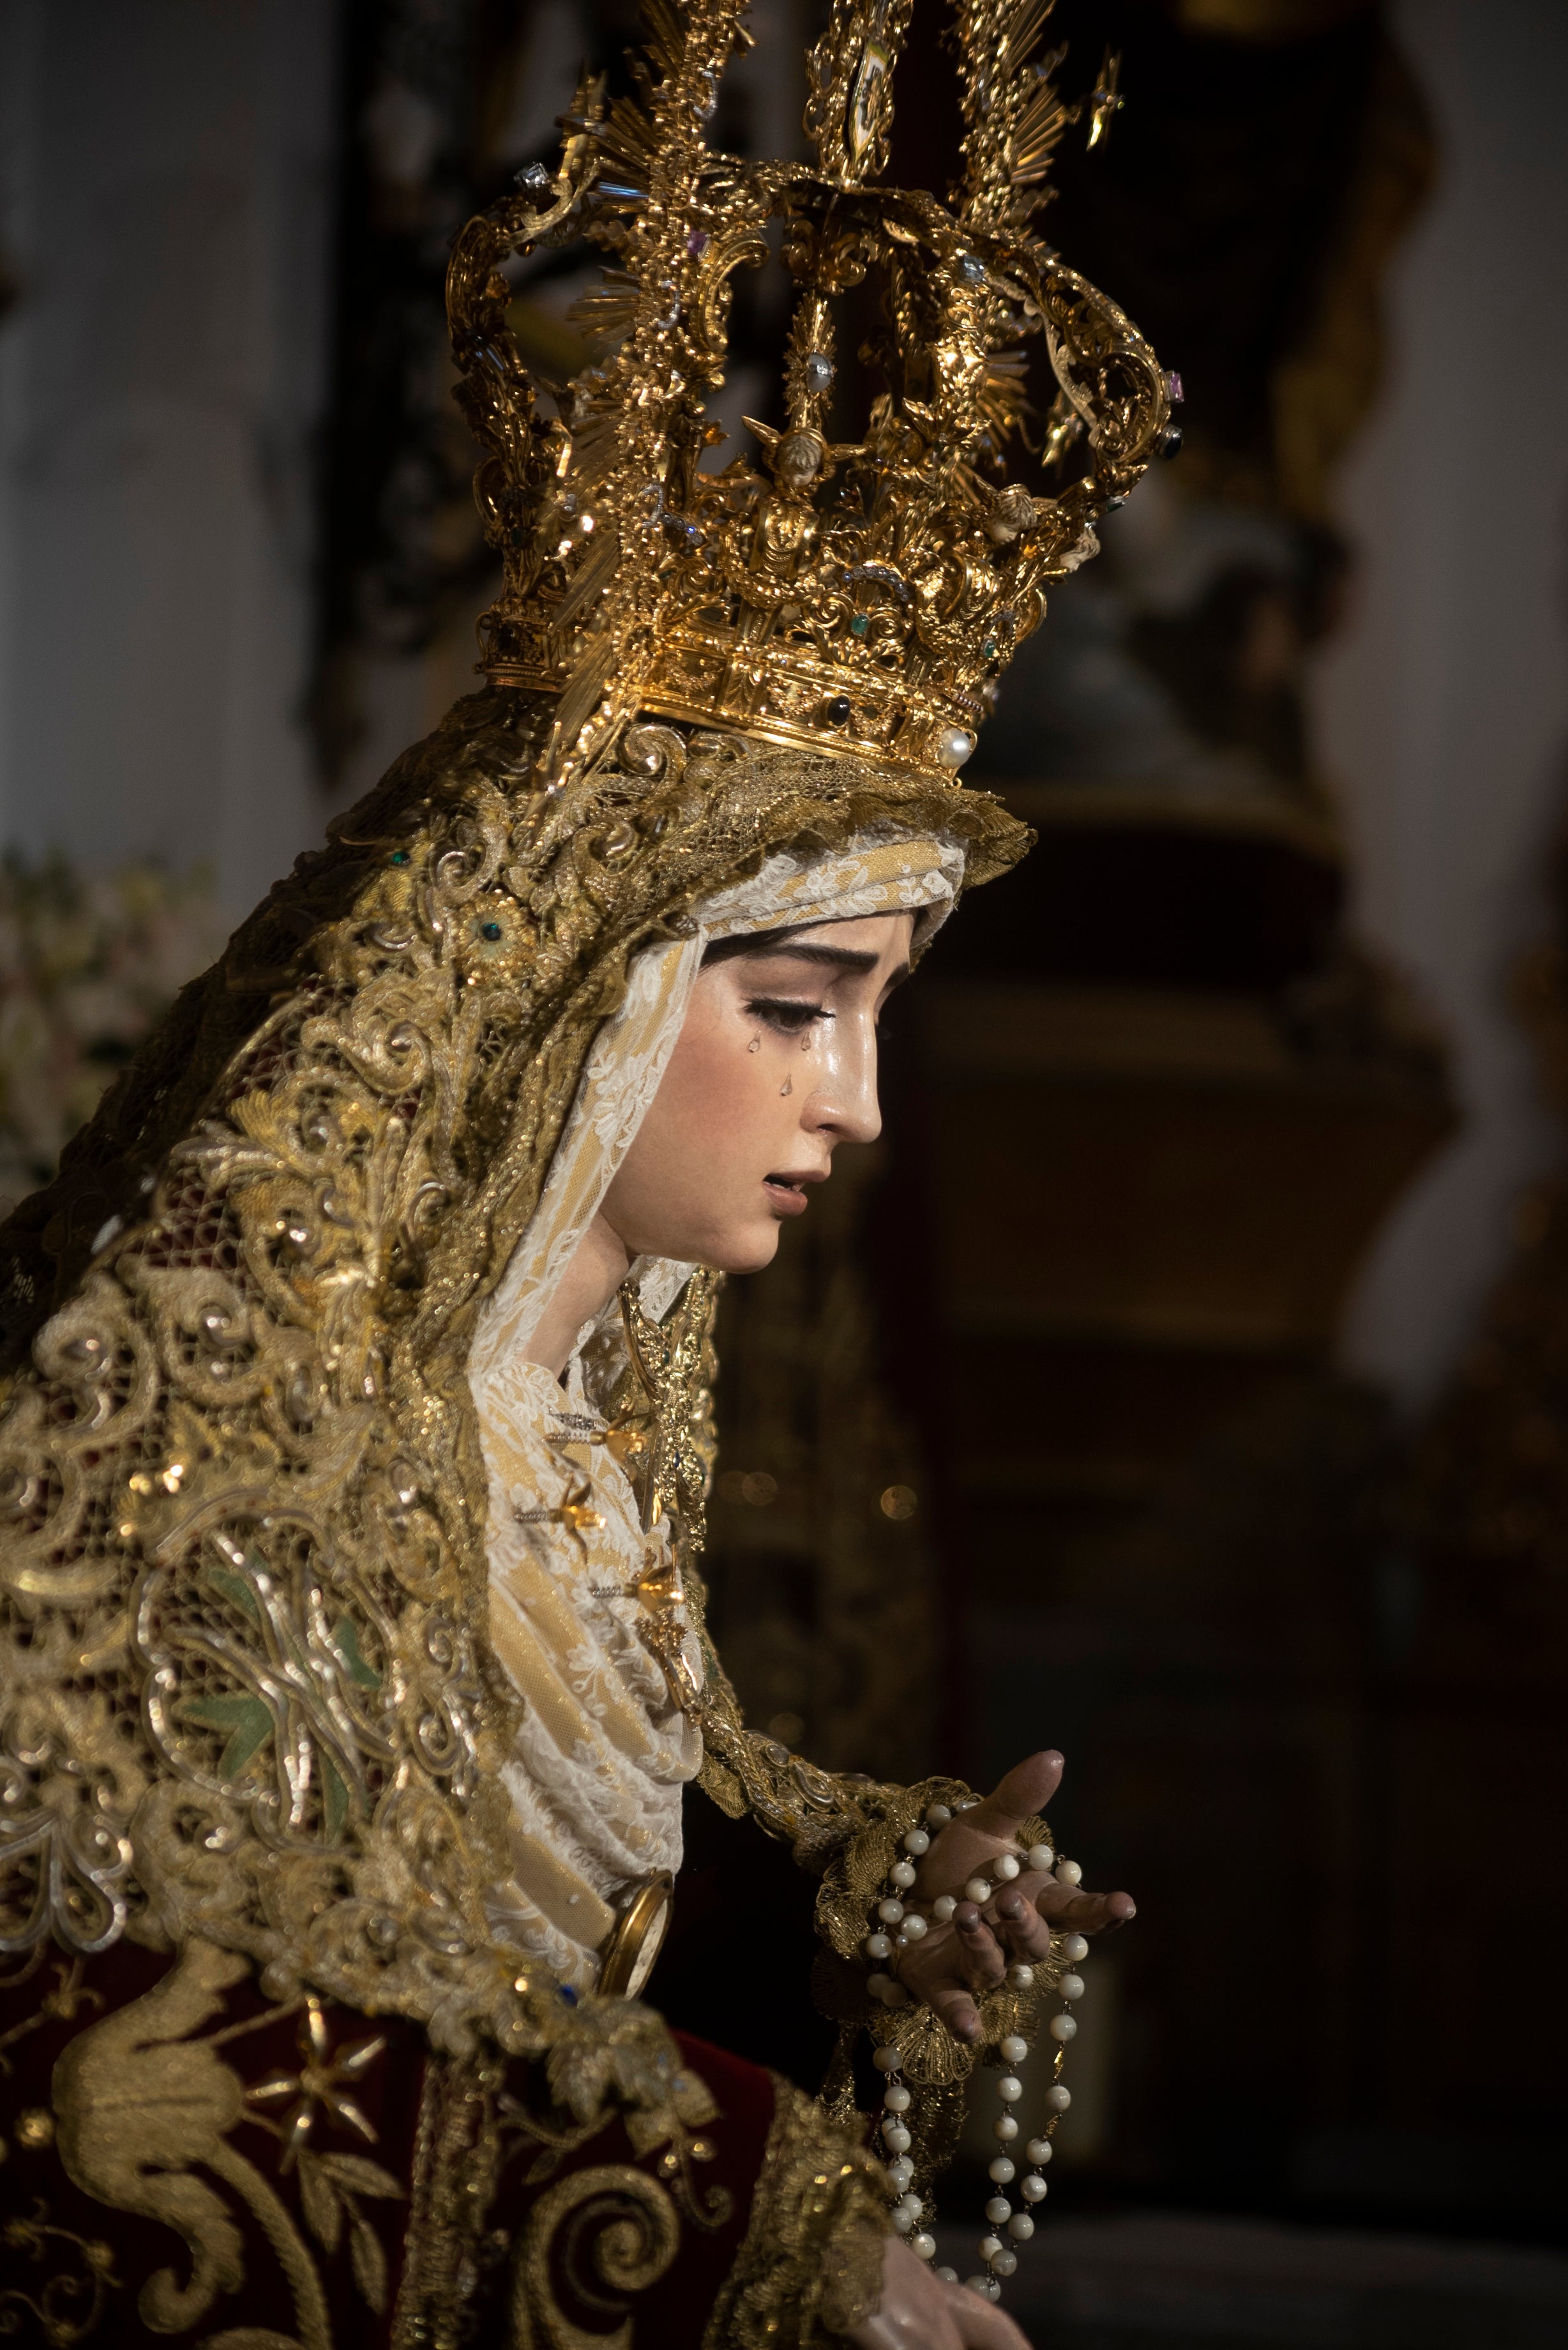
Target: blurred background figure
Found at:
1207, 1416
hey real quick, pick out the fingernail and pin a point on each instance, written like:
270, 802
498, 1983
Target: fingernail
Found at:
1010, 1905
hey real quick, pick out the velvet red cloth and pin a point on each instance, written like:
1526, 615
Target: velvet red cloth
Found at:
75, 2267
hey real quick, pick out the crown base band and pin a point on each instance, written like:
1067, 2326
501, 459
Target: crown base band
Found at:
877, 731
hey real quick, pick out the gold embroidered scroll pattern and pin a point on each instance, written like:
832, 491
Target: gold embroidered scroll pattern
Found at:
68, 2304
574, 2114
60, 2005
609, 2232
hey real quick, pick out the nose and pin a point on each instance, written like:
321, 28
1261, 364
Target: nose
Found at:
843, 1105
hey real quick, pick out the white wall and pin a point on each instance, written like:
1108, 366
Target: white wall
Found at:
164, 190
1445, 706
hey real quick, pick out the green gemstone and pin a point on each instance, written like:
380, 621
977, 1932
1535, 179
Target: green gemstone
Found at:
399, 856
860, 625
988, 649
490, 930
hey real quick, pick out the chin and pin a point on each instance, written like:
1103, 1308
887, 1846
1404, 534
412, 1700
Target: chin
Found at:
746, 1252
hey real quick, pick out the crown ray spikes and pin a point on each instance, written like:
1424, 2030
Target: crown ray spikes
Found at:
859, 596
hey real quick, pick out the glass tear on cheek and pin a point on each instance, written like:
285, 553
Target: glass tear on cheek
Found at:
787, 1087
755, 1046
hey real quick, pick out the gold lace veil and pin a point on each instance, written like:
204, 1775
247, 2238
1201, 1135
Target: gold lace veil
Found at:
248, 1690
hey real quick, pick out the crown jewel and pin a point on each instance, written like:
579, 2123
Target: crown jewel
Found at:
853, 595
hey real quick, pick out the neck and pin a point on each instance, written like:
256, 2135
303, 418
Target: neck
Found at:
584, 1290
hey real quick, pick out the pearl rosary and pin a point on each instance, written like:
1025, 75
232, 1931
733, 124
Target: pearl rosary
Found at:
898, 1926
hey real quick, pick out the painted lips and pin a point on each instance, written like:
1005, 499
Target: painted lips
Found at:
787, 1192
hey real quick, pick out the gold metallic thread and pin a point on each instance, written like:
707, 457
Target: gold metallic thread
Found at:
811, 2262
614, 2231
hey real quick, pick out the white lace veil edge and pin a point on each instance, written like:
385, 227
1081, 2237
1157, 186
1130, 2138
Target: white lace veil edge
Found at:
629, 1056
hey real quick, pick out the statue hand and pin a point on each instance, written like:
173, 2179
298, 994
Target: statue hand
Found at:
973, 1951
972, 1840
920, 2311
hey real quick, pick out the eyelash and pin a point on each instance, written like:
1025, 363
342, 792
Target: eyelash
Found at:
787, 1018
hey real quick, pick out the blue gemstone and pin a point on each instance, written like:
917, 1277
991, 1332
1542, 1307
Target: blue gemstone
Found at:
490, 930
565, 1991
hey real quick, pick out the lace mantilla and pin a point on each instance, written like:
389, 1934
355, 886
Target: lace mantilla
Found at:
250, 1690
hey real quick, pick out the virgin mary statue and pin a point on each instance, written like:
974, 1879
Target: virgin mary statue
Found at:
357, 1422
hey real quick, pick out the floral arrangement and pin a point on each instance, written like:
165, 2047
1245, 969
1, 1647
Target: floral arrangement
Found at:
88, 965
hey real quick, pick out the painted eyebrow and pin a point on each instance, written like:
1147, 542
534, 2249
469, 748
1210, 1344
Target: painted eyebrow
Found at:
849, 959
853, 959
758, 948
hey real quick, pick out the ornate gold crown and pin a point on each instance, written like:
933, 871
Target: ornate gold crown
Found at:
863, 596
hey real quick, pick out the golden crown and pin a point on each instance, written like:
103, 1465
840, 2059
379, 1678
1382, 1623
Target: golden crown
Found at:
861, 595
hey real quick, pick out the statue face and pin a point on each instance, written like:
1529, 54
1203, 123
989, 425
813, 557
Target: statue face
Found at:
799, 459
775, 1067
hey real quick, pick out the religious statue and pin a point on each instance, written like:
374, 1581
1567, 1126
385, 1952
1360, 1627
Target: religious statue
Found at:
357, 1423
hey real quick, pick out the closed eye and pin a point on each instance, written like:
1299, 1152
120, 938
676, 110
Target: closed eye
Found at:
787, 1018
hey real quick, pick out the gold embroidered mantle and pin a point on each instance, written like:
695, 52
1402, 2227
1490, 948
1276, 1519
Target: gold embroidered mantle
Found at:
249, 1691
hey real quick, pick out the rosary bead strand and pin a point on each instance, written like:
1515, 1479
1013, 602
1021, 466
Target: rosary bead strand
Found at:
901, 1925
